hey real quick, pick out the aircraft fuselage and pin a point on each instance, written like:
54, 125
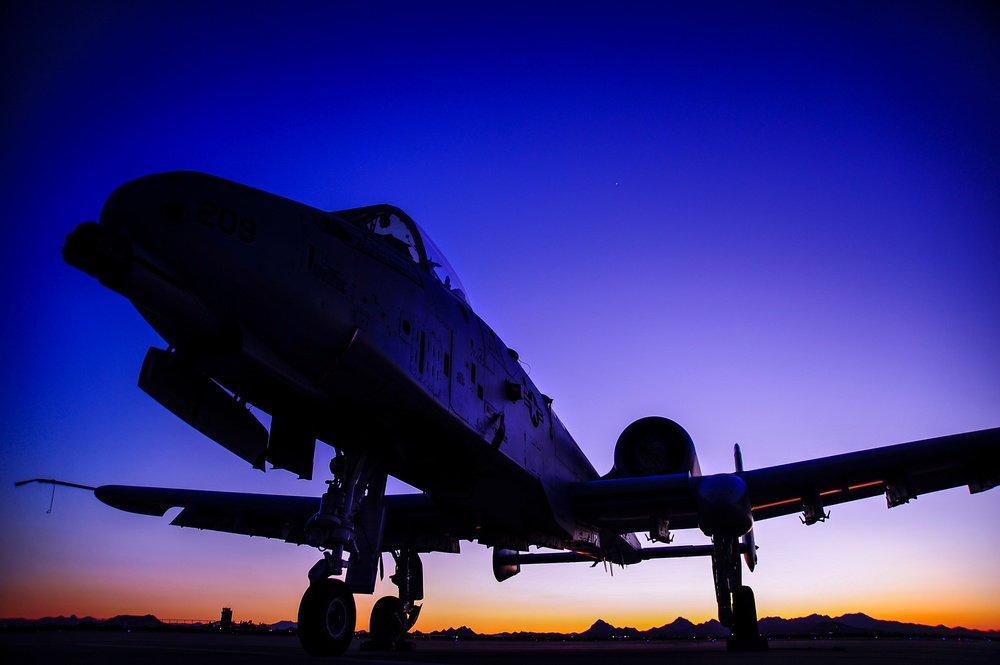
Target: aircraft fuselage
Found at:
392, 361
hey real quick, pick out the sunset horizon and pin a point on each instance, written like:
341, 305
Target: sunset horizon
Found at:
554, 613
638, 623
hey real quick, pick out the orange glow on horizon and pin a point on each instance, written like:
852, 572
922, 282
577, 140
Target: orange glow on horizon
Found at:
983, 619
500, 623
461, 591
82, 601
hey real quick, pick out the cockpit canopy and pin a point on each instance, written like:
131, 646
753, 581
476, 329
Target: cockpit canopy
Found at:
398, 231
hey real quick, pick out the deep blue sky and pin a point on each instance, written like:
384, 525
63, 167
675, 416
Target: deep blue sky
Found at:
777, 223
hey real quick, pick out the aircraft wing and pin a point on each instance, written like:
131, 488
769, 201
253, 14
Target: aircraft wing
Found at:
900, 472
411, 519
621, 505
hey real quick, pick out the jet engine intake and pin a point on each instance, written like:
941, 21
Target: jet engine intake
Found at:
654, 446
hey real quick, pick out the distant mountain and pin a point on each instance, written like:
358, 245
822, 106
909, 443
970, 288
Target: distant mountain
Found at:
462, 632
859, 624
121, 621
602, 630
848, 625
56, 622
682, 628
126, 621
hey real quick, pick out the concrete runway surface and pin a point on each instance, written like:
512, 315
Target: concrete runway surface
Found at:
154, 648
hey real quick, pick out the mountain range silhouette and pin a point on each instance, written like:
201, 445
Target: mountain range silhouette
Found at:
848, 625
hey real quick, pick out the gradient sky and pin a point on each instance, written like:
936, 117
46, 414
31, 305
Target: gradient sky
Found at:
776, 223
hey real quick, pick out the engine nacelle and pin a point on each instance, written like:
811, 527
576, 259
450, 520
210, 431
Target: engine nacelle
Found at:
654, 446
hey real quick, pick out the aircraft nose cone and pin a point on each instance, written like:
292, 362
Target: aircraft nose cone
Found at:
142, 209
99, 252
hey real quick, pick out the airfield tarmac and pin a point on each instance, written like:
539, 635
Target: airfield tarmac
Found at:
190, 648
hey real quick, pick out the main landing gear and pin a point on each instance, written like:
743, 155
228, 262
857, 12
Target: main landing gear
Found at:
393, 617
327, 616
737, 609
350, 522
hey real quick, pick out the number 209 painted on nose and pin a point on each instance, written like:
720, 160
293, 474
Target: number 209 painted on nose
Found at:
227, 221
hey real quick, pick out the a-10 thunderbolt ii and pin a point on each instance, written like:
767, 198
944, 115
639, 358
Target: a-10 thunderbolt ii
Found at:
350, 328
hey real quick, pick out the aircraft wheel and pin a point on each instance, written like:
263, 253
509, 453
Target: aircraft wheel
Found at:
327, 616
744, 612
388, 621
746, 636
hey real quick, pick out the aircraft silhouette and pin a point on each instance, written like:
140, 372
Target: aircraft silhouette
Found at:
350, 328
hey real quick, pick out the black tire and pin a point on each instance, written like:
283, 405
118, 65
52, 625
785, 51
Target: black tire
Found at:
327, 617
388, 621
746, 636
744, 613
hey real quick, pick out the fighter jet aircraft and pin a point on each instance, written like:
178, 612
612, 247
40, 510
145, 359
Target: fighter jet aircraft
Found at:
350, 328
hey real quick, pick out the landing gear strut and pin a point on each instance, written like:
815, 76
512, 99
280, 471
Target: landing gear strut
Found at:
737, 609
327, 613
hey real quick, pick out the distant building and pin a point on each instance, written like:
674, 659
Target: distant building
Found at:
226, 623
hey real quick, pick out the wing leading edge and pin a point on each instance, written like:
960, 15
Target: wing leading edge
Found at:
412, 520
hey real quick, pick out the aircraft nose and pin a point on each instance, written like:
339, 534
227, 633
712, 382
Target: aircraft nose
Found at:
129, 252
143, 209
99, 252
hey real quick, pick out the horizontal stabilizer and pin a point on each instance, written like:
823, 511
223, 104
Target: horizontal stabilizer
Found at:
511, 558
